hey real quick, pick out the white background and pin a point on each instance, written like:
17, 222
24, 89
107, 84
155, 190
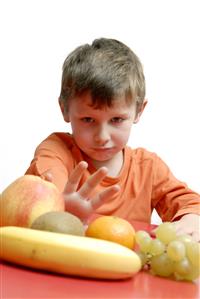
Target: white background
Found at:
36, 36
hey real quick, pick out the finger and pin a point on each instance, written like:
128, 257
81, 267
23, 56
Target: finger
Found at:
104, 196
153, 232
47, 176
196, 236
92, 182
180, 229
75, 177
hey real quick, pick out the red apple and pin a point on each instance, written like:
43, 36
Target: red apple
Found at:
27, 198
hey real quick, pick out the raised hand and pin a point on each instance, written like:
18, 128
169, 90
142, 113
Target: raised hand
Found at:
81, 202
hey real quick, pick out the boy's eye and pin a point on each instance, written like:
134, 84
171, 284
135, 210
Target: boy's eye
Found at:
87, 119
117, 120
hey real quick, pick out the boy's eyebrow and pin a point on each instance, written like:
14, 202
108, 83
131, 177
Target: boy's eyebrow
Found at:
122, 114
114, 114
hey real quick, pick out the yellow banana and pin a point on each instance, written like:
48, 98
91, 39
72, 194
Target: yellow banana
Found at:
67, 254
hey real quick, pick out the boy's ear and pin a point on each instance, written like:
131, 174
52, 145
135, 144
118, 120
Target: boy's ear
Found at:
139, 113
63, 110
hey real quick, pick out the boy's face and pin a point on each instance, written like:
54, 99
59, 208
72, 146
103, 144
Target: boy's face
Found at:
100, 133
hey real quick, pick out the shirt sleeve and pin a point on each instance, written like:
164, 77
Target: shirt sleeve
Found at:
53, 157
171, 197
42, 164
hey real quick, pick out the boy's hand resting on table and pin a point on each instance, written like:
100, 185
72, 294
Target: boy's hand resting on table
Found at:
81, 202
189, 224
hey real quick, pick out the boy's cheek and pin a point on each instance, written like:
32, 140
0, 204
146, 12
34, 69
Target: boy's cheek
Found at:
82, 137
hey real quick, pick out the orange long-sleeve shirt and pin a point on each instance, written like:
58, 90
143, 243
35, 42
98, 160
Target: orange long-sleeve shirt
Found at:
146, 181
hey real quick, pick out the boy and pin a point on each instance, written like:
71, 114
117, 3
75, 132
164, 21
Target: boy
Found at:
102, 95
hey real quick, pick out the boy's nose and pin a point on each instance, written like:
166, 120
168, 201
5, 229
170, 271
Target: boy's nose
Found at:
102, 135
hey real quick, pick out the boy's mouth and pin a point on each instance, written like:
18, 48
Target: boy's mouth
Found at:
103, 149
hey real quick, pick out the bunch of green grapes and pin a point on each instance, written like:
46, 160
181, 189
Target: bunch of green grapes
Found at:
169, 255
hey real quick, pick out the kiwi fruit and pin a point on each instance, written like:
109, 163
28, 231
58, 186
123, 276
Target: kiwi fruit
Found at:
59, 222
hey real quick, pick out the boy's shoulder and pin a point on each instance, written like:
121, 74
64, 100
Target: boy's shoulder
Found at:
57, 142
58, 138
142, 154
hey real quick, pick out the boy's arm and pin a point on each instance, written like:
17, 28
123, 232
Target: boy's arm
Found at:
51, 169
52, 162
174, 201
170, 197
53, 155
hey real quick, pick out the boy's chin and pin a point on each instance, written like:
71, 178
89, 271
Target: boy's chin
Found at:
99, 157
104, 158
103, 155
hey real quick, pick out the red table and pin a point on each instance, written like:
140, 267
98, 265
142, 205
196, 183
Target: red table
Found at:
20, 282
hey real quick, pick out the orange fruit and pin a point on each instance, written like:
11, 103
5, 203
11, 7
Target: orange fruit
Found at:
113, 229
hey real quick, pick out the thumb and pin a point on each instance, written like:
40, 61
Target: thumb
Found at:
153, 230
153, 233
47, 176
